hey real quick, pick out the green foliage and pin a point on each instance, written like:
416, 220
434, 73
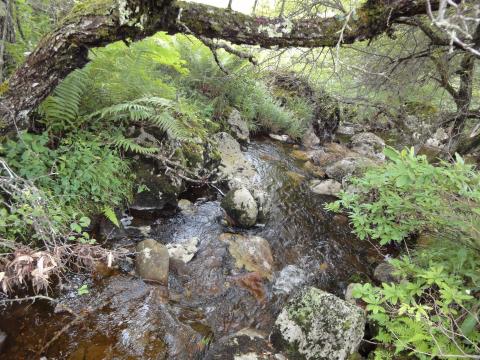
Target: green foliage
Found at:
61, 111
156, 111
242, 88
83, 290
408, 195
79, 168
432, 311
110, 215
120, 73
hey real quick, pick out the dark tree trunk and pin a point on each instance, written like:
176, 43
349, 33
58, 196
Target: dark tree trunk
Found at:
97, 23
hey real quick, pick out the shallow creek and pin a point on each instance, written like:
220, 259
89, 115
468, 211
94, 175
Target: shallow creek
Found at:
122, 317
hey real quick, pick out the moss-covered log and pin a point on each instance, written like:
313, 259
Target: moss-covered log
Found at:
95, 23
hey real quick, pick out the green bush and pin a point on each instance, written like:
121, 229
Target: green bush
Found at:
81, 173
408, 195
433, 310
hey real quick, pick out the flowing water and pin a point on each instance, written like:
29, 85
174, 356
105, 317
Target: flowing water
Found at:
122, 317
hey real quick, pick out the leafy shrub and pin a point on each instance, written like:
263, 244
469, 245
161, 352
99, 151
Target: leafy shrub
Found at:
408, 195
79, 169
242, 88
433, 311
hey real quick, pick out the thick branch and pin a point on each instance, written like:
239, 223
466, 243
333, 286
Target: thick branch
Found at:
96, 23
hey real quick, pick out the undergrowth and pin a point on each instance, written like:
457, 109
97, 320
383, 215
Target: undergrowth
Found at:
433, 310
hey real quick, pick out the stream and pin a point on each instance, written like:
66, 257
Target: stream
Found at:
210, 297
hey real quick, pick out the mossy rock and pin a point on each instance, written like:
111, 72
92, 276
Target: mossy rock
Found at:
318, 325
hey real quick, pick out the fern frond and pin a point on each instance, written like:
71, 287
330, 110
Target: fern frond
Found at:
125, 144
174, 128
155, 110
109, 213
62, 108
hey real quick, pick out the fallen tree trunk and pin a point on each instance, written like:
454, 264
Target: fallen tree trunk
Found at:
95, 23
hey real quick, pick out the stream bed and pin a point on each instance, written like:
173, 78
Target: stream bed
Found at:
211, 296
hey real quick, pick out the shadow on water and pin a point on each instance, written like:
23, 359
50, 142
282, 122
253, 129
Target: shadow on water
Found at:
125, 318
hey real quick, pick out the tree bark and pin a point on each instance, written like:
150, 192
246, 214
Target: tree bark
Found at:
95, 23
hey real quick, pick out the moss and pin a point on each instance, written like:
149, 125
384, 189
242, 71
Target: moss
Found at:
90, 8
4, 87
302, 310
193, 154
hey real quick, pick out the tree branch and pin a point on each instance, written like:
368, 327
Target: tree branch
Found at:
95, 24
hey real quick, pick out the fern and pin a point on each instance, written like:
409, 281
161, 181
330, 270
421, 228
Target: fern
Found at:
125, 144
61, 110
154, 110
109, 213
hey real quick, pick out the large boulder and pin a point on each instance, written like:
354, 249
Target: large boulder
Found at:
325, 187
238, 126
369, 145
317, 325
234, 167
241, 207
250, 252
153, 261
159, 195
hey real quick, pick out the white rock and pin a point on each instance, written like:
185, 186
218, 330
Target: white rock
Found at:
282, 138
318, 325
325, 187
184, 251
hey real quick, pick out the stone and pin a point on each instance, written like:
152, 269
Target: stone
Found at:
264, 204
347, 167
349, 293
310, 139
384, 273
238, 126
234, 167
342, 168
295, 177
369, 145
314, 170
318, 325
152, 261
186, 206
325, 187
290, 278
160, 194
347, 130
246, 344
330, 153
432, 153
300, 155
184, 251
281, 138
438, 139
3, 340
250, 252
240, 207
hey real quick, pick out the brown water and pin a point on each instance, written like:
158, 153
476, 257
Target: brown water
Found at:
123, 317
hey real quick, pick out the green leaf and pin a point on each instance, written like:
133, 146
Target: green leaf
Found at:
83, 290
111, 216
